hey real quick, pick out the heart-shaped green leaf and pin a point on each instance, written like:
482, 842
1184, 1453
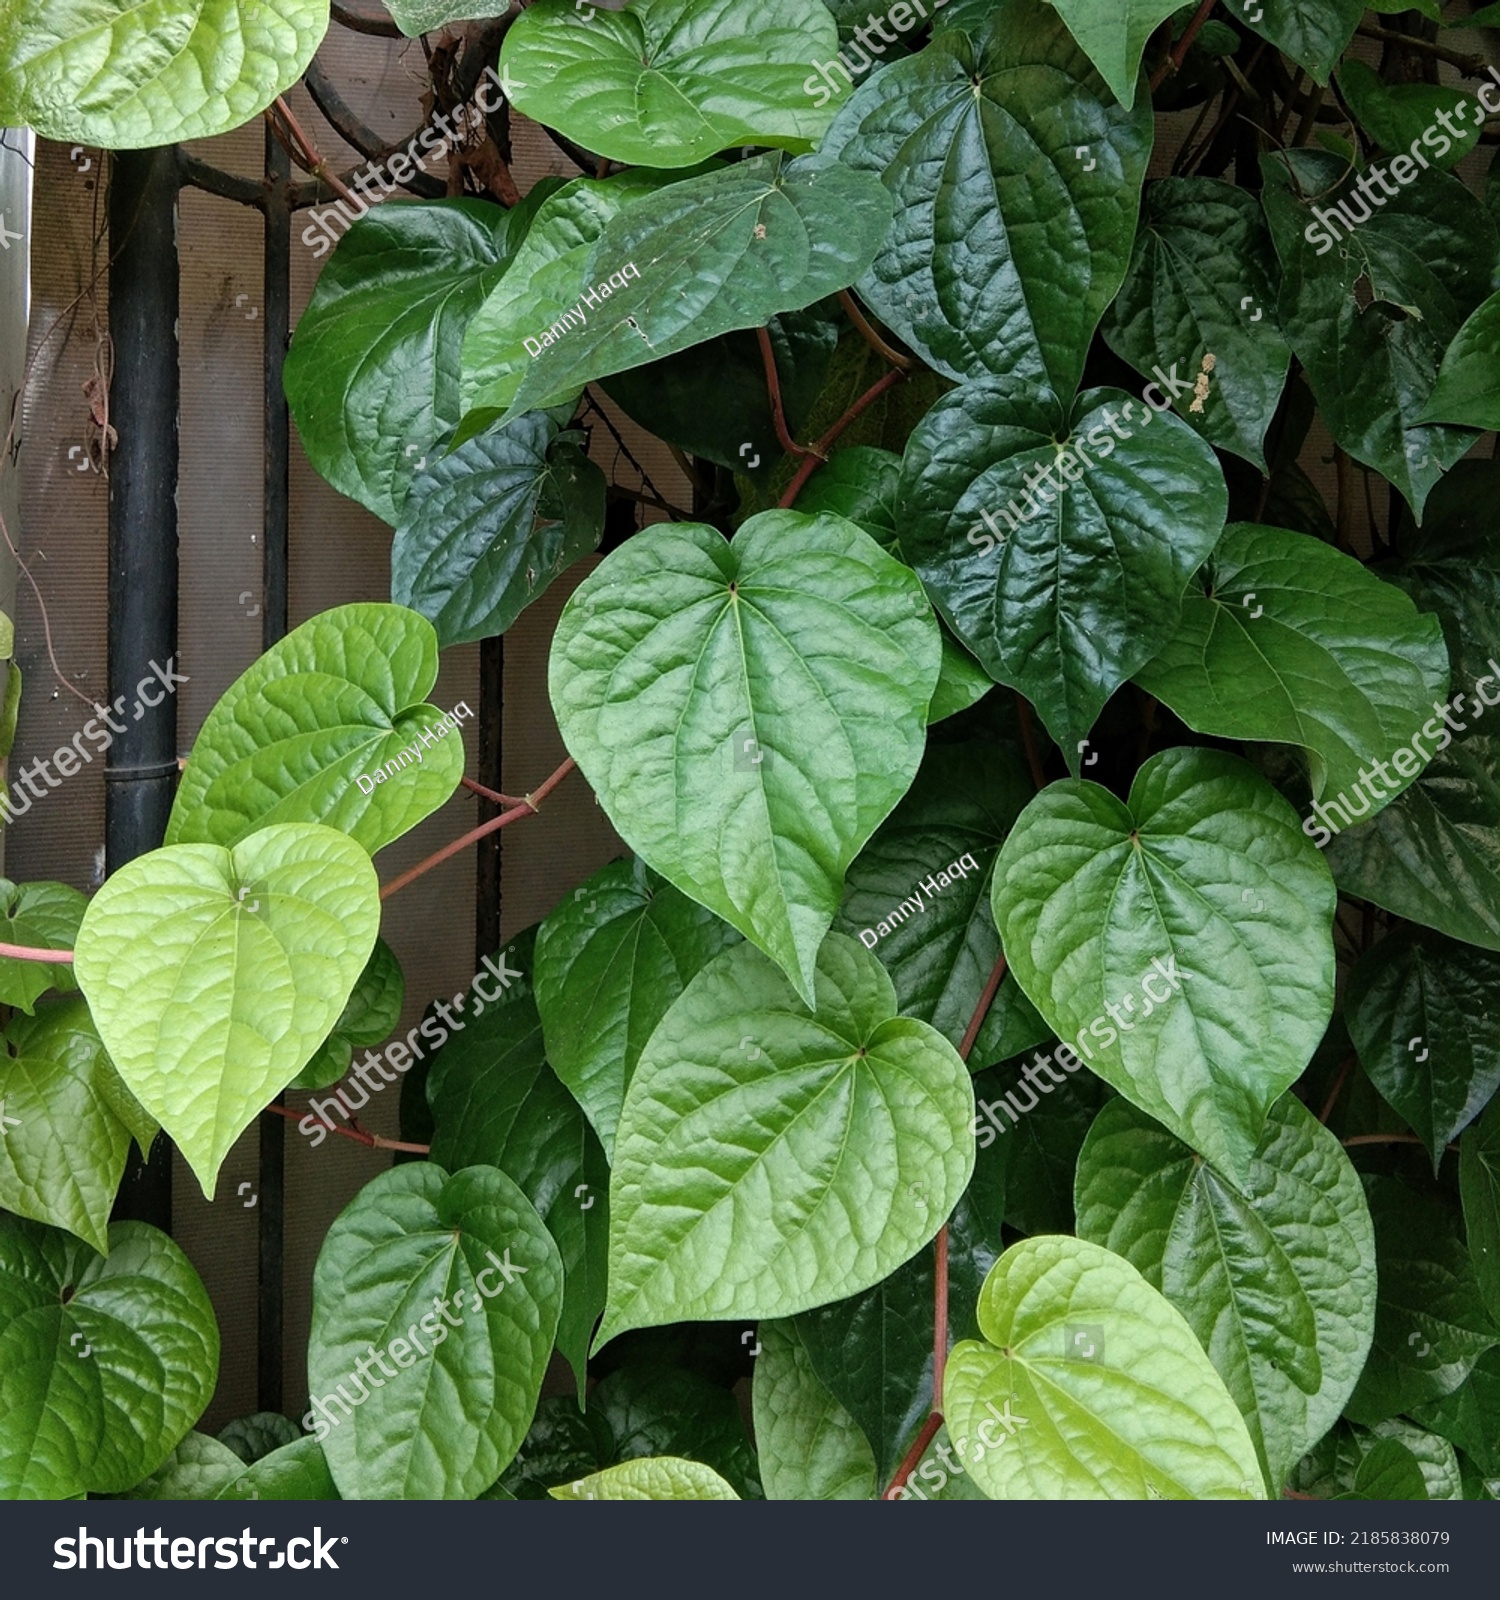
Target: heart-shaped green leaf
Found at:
1012, 145
1276, 1277
1283, 637
610, 960
328, 726
810, 1448
1424, 1014
459, 1275
1114, 33
1086, 584
1203, 281
1479, 1183
1468, 384
214, 974
1132, 1409
1314, 33
699, 258
664, 83
650, 1478
104, 1363
41, 916
1198, 909
372, 373
1396, 115
770, 1159
124, 76
486, 529
753, 714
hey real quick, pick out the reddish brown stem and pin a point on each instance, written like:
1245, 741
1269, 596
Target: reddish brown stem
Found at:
820, 449
491, 794
24, 952
523, 808
1173, 64
308, 155
371, 1141
870, 336
914, 1455
773, 388
981, 1011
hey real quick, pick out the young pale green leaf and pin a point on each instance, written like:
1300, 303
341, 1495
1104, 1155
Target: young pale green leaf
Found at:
370, 1014
1114, 34
726, 250
772, 1158
456, 1280
42, 916
485, 530
62, 1143
650, 1478
1087, 581
1017, 183
372, 375
1314, 33
610, 960
810, 1448
1430, 1321
1202, 281
104, 1363
1468, 385
1479, 1184
1372, 321
1396, 115
1131, 1409
210, 1002
1284, 638
337, 700
1275, 1277
1198, 909
664, 83
126, 76
1424, 1014
753, 714
918, 895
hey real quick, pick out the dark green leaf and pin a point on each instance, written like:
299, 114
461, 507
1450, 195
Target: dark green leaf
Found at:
1314, 33
1479, 1184
1396, 115
1468, 385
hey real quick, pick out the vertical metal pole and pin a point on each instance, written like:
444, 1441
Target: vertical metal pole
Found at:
277, 290
140, 772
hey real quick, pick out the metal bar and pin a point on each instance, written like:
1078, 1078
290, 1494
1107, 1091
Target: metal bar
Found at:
140, 769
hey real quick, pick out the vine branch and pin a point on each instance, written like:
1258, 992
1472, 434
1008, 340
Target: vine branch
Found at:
819, 451
371, 1141
870, 336
1173, 64
773, 388
23, 952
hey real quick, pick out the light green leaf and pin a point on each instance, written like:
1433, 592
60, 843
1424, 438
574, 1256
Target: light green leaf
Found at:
41, 916
196, 1470
810, 1448
209, 1002
610, 960
1284, 638
1204, 886
1141, 1414
1114, 33
664, 83
1275, 1277
104, 1363
419, 1252
1011, 144
753, 714
1479, 1184
297, 1471
769, 1159
650, 1478
338, 700
125, 76
10, 708
1468, 384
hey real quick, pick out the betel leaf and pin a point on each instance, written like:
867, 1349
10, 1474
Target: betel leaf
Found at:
809, 1447
962, 682
1202, 281
726, 250
1370, 322
370, 1014
918, 895
1276, 1277
41, 916
1284, 638
1467, 391
1017, 184
649, 1478
125, 76
104, 1363
296, 1471
486, 529
259, 1434
1424, 1014
1470, 1417
1433, 856
610, 960
1202, 886
1114, 34
1355, 1463
1430, 1322
1479, 1184
770, 1158
1314, 33
754, 713
337, 700
1133, 1409
372, 372
62, 1144
860, 485
1066, 591
464, 1260
210, 1002
664, 83
1044, 1129
1434, 1455
1396, 115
